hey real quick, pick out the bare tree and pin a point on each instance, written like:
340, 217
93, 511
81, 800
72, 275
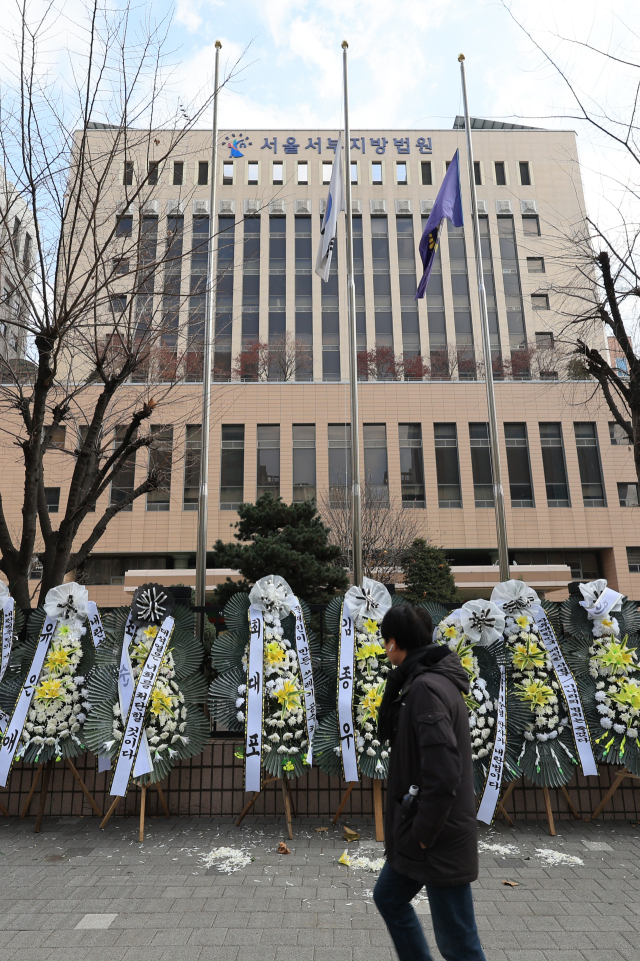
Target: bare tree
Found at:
93, 280
281, 359
388, 529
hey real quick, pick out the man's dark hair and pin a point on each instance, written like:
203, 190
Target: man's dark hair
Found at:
411, 627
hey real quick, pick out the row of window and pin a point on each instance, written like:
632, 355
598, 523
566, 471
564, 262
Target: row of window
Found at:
376, 474
277, 168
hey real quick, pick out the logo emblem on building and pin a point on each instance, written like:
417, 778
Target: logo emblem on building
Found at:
236, 144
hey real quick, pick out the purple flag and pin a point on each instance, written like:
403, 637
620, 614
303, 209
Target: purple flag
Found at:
448, 205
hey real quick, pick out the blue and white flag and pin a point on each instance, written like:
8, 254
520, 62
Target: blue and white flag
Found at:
335, 203
448, 205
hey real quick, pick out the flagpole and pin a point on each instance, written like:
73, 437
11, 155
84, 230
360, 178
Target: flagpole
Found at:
356, 501
498, 492
203, 494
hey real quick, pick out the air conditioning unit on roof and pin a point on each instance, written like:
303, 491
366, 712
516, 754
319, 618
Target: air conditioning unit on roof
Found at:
175, 207
426, 206
403, 206
482, 206
252, 206
226, 206
277, 206
503, 207
303, 206
529, 206
201, 206
378, 206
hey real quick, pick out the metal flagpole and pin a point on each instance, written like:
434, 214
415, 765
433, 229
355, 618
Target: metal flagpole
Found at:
203, 494
498, 493
356, 501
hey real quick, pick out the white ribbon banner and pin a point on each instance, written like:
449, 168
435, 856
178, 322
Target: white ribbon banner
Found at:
255, 701
16, 723
8, 612
144, 764
608, 599
95, 624
571, 692
306, 670
491, 792
134, 732
345, 698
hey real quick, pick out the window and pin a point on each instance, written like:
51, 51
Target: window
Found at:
124, 226
52, 497
447, 466
481, 465
26, 252
269, 459
178, 173
127, 174
118, 303
203, 173
619, 436
555, 470
58, 437
633, 559
477, 173
232, 467
531, 225
411, 466
227, 173
628, 495
152, 175
277, 172
339, 464
401, 173
376, 174
304, 462
521, 488
589, 464
525, 173
426, 174
160, 463
535, 265
252, 173
303, 172
327, 169
123, 481
376, 471
501, 173
121, 266
192, 457
544, 340
354, 172
622, 368
540, 301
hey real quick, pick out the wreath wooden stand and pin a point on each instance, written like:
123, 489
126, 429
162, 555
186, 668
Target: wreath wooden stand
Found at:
547, 804
377, 805
48, 767
288, 803
614, 787
143, 806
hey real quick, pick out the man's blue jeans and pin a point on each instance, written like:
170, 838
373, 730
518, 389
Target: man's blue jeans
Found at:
454, 923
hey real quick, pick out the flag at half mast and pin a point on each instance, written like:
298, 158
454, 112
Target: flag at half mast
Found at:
448, 205
335, 203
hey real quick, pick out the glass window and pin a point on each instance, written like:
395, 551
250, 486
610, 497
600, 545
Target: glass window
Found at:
501, 173
123, 481
124, 226
618, 435
544, 340
354, 172
269, 459
477, 173
521, 488
447, 466
303, 172
531, 225
553, 462
152, 175
203, 173
376, 471
525, 173
252, 173
339, 464
535, 265
589, 464
58, 437
628, 494
426, 173
52, 497
327, 169
401, 172
160, 462
540, 301
411, 466
127, 175
481, 465
178, 173
633, 558
304, 462
232, 467
376, 173
193, 450
278, 172
227, 172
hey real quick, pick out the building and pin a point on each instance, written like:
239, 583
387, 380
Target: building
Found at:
280, 402
16, 275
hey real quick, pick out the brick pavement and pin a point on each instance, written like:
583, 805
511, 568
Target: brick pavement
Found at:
75, 892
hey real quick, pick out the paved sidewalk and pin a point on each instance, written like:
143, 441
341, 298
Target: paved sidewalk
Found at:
75, 892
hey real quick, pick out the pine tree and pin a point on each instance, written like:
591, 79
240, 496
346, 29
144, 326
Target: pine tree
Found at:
427, 574
285, 539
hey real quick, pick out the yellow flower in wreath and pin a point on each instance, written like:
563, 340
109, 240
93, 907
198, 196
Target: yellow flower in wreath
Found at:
369, 649
370, 625
615, 657
161, 703
274, 654
51, 690
288, 766
529, 655
629, 695
151, 631
535, 693
371, 703
289, 697
57, 660
522, 621
450, 632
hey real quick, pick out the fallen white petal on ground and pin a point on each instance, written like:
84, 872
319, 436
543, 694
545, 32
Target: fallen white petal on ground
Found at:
503, 850
550, 858
227, 860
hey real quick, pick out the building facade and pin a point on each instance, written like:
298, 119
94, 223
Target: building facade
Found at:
281, 401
